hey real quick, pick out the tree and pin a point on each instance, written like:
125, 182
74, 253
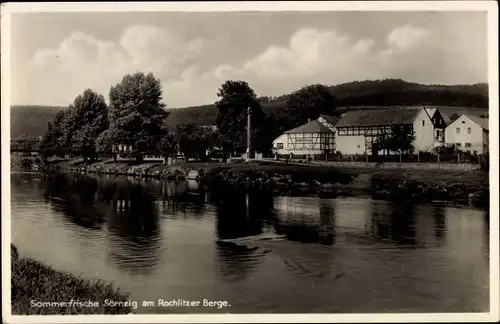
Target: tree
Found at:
104, 144
193, 141
167, 146
56, 139
88, 119
235, 98
307, 103
136, 112
266, 134
399, 140
381, 143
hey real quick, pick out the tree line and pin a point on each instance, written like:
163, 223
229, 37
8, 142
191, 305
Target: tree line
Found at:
388, 92
135, 117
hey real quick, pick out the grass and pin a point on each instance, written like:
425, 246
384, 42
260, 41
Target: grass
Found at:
302, 173
34, 282
437, 177
298, 173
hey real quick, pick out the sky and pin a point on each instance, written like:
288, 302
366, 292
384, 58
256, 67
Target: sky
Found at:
56, 56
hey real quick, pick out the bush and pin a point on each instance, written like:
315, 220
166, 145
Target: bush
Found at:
26, 163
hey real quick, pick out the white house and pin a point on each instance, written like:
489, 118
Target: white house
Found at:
357, 130
468, 133
316, 137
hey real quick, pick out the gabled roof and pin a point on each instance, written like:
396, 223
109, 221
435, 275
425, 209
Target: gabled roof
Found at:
331, 119
431, 111
313, 126
379, 117
483, 122
446, 118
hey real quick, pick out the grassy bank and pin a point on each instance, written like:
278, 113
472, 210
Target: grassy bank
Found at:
298, 173
326, 181
34, 282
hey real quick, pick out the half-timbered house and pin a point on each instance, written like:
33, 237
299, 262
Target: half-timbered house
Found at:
357, 130
316, 139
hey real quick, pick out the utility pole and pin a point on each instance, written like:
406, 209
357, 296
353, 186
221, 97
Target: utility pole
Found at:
249, 133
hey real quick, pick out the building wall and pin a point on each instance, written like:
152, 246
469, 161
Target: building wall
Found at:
282, 139
486, 141
424, 132
462, 139
350, 144
309, 143
300, 144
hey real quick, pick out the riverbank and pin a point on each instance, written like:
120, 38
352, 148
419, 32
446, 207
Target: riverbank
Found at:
464, 187
35, 282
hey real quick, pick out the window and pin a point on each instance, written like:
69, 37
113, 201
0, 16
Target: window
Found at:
469, 130
458, 130
458, 144
467, 145
423, 122
279, 146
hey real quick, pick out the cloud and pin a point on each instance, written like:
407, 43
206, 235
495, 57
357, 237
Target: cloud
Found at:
56, 76
407, 38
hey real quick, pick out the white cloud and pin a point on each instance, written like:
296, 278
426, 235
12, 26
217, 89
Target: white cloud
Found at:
56, 76
407, 38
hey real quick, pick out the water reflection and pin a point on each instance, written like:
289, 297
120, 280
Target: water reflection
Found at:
76, 198
187, 199
327, 219
395, 224
240, 215
126, 207
155, 238
439, 215
302, 220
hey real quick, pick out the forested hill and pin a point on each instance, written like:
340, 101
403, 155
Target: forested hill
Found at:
32, 120
390, 92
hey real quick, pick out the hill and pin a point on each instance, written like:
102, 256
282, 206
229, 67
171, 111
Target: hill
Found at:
32, 120
389, 92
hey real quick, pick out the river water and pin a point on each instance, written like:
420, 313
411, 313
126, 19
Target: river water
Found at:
159, 240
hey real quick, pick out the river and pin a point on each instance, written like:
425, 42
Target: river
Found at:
159, 240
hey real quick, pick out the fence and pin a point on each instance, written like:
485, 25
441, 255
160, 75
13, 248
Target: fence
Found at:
457, 158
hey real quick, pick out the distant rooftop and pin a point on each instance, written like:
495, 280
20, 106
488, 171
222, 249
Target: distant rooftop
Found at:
313, 126
483, 122
379, 117
331, 119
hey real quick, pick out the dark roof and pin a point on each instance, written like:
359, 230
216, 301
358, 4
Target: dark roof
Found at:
311, 127
446, 118
331, 119
380, 117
